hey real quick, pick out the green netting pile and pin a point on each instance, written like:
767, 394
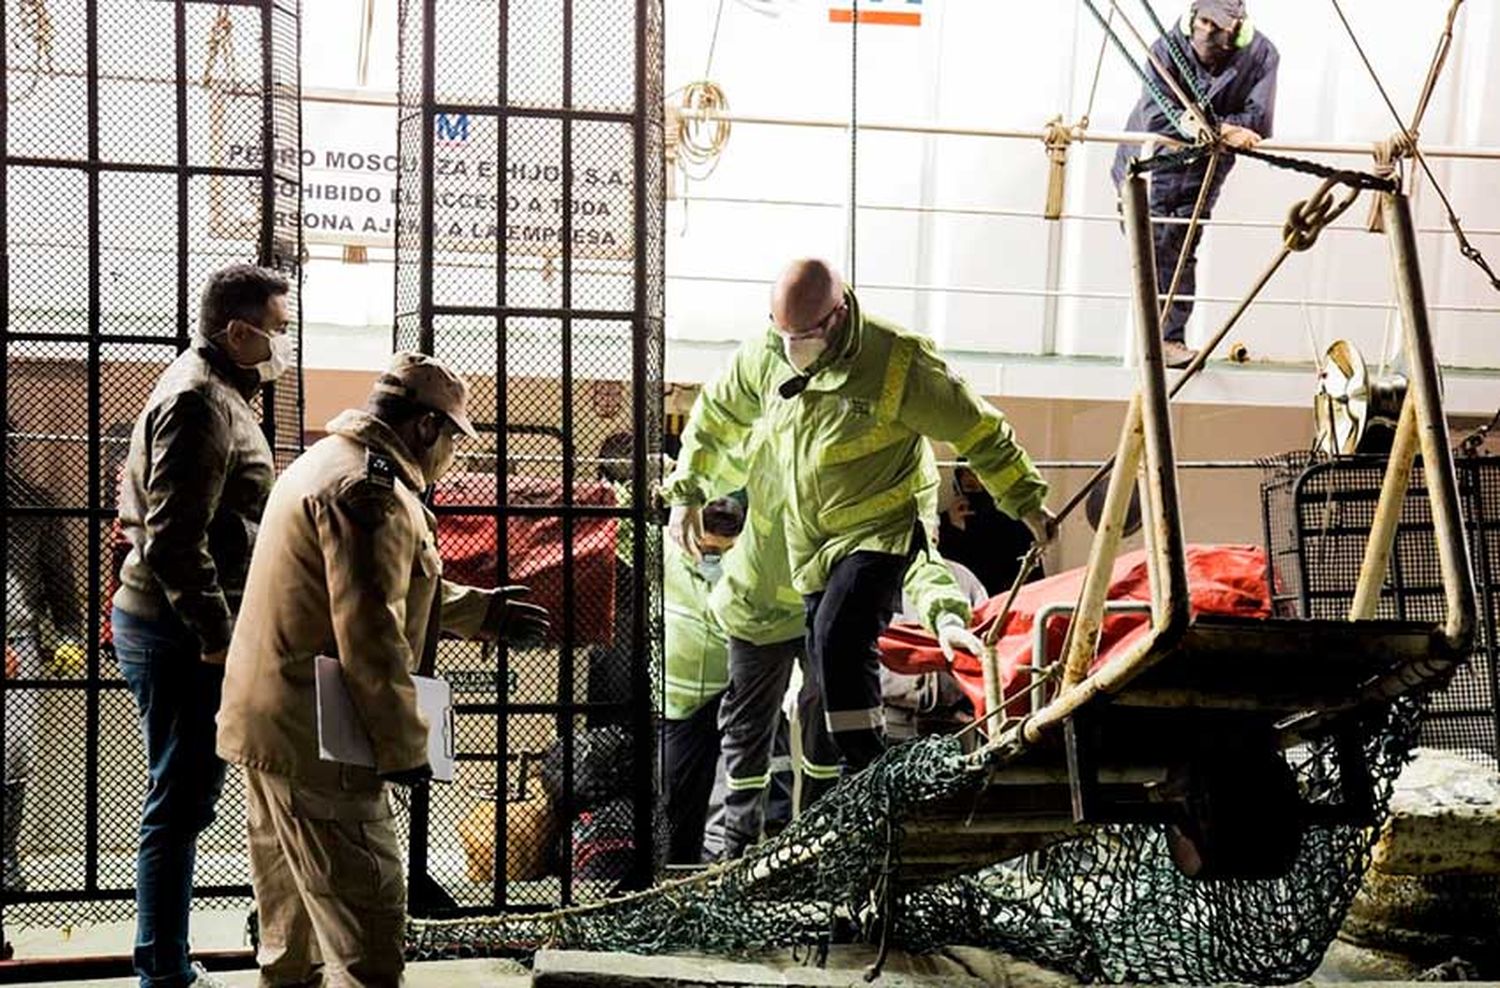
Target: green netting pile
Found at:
1109, 906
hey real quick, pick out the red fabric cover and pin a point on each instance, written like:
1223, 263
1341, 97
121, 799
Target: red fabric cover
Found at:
1222, 579
467, 545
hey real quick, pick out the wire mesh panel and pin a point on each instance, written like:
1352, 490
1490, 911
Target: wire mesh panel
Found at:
1318, 514
146, 144
530, 258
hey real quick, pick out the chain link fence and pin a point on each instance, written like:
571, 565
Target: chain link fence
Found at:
146, 144
530, 258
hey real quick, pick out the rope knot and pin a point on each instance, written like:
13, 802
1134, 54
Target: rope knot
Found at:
1391, 152
1057, 136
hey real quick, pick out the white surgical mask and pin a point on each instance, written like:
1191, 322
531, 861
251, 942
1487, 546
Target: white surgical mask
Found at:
803, 353
711, 567
283, 355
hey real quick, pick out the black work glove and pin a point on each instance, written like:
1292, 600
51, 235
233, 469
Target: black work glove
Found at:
410, 777
515, 621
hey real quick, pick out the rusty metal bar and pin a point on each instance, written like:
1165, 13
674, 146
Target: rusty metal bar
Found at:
1110, 678
1156, 415
1040, 660
1037, 134
1083, 631
1432, 426
1161, 480
989, 669
1377, 557
1148, 537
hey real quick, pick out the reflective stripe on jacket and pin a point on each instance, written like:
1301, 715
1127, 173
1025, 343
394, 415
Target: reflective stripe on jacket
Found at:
849, 448
697, 666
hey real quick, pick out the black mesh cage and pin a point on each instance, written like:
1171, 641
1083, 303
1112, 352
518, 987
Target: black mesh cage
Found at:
530, 259
146, 144
1318, 514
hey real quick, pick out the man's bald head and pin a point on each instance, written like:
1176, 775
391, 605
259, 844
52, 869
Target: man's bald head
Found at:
806, 294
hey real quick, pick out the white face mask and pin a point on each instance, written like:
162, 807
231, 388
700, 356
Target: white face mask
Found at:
802, 354
283, 355
711, 567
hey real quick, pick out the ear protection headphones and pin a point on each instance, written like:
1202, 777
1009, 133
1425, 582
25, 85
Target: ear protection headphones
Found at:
1245, 35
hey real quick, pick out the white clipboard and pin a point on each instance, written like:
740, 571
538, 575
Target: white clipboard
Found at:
342, 736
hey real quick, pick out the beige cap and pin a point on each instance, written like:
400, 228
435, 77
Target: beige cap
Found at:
429, 382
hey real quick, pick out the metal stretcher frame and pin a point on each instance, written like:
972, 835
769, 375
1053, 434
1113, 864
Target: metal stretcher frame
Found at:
1146, 445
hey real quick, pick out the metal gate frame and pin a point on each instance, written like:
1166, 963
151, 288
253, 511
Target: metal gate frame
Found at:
436, 46
118, 159
1317, 513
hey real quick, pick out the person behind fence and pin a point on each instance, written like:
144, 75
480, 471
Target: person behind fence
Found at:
347, 566
43, 632
1235, 66
196, 479
697, 671
849, 399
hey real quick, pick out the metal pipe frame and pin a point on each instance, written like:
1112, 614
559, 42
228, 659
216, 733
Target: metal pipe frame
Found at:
1431, 425
1083, 631
1096, 296
1085, 137
1148, 537
1171, 618
1033, 214
1160, 464
1040, 659
1393, 487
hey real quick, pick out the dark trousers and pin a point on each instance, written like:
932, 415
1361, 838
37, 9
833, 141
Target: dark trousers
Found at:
690, 755
779, 802
177, 695
844, 622
1168, 239
749, 718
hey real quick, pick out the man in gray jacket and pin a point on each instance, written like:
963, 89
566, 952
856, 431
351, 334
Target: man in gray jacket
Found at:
196, 480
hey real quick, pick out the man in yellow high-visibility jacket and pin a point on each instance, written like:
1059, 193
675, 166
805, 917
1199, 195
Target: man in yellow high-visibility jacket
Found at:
765, 620
848, 400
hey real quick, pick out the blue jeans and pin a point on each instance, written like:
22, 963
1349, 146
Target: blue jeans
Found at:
177, 695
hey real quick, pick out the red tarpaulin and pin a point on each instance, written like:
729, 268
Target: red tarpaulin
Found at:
467, 544
1222, 579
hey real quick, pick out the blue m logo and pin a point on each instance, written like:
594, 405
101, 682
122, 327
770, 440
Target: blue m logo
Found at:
454, 128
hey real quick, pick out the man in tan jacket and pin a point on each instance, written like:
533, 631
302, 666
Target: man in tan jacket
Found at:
347, 565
